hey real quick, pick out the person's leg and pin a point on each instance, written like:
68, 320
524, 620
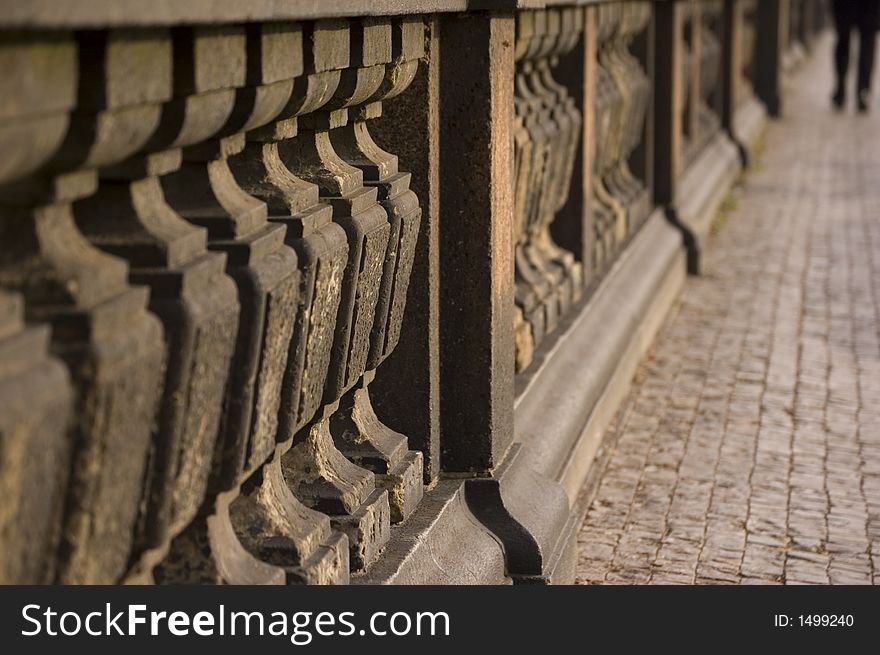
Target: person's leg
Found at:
843, 26
867, 21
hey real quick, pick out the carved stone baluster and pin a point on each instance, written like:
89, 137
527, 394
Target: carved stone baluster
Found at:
35, 402
35, 391
261, 532
622, 75
358, 433
197, 303
634, 89
204, 192
710, 70
609, 214
322, 250
533, 289
640, 17
554, 125
612, 62
528, 311
100, 327
627, 81
320, 244
546, 138
560, 35
549, 278
317, 471
570, 28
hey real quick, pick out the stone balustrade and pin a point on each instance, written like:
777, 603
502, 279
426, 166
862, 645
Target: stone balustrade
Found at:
295, 294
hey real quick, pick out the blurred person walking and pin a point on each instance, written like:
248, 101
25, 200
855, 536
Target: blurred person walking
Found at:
863, 15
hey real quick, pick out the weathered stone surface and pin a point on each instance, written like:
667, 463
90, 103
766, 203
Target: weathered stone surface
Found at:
262, 535
404, 484
205, 192
278, 529
113, 350
35, 448
266, 276
356, 429
199, 309
322, 250
423, 550
623, 91
111, 346
197, 303
477, 275
209, 552
368, 529
38, 91
328, 142
526, 511
321, 246
406, 394
369, 443
547, 132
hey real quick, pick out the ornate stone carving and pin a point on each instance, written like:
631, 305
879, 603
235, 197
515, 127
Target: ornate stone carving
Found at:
317, 471
621, 200
710, 68
546, 137
204, 192
358, 433
196, 302
35, 401
111, 345
263, 533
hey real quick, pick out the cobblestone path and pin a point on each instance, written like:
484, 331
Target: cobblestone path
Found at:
749, 448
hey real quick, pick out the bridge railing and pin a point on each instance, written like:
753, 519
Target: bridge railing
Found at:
294, 292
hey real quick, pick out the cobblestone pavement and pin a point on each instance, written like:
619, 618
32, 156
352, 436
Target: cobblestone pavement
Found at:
749, 448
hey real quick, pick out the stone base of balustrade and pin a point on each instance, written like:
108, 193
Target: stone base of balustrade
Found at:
441, 543
528, 512
702, 189
749, 121
563, 410
35, 403
515, 526
520, 524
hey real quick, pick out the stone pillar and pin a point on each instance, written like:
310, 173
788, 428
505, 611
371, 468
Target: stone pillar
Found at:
731, 63
771, 41
408, 386
668, 100
476, 240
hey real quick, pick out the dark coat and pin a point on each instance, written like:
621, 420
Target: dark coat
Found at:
861, 14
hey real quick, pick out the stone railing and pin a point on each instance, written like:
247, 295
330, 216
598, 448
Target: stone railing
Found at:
806, 18
294, 293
